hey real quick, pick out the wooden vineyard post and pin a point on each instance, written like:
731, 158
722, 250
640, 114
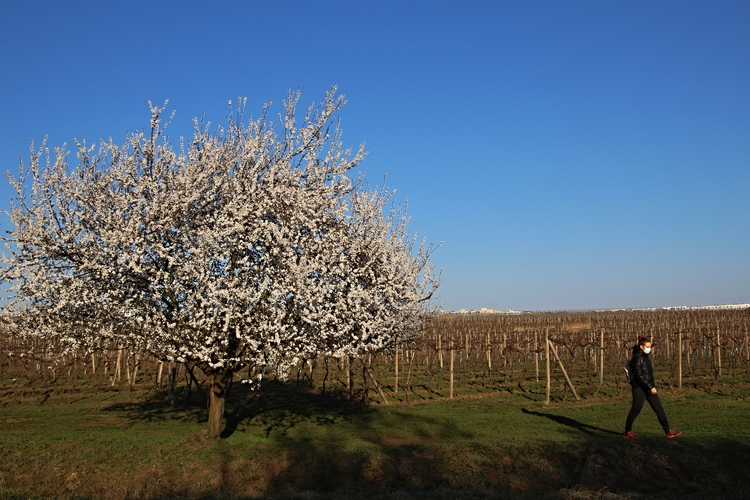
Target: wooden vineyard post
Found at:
365, 388
562, 367
440, 350
375, 381
395, 371
546, 360
505, 346
466, 348
137, 364
679, 357
601, 358
489, 355
451, 367
669, 358
127, 369
536, 355
718, 349
747, 350
117, 366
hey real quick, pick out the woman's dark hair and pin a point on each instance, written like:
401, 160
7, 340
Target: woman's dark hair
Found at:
642, 340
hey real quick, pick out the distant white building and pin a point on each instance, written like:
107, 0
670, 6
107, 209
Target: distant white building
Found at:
487, 310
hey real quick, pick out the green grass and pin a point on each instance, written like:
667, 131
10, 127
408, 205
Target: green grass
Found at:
297, 444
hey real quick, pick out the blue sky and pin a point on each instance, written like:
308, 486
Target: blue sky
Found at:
570, 155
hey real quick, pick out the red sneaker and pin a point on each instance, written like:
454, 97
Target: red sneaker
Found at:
629, 435
673, 433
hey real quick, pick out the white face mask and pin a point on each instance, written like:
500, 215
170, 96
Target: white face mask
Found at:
647, 350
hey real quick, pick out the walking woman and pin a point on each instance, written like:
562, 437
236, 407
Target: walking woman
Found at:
644, 389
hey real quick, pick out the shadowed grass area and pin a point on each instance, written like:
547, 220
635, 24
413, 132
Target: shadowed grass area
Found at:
290, 443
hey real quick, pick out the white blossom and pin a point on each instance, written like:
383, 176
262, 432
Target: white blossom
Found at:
250, 245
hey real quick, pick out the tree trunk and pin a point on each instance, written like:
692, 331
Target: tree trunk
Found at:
395, 371
325, 377
350, 377
172, 383
217, 396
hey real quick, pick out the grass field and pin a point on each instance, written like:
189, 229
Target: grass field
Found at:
290, 443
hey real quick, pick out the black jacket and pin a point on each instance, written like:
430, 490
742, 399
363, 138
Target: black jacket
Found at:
641, 369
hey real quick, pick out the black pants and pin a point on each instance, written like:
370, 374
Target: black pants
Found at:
639, 396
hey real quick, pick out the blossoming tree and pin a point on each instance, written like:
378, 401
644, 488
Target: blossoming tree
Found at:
251, 245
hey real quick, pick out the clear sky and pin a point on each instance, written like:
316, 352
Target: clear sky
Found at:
569, 154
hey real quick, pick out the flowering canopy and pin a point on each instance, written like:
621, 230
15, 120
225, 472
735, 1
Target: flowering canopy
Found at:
249, 245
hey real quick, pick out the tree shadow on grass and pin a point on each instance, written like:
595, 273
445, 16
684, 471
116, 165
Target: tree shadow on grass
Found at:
284, 406
590, 467
280, 407
397, 452
572, 423
157, 407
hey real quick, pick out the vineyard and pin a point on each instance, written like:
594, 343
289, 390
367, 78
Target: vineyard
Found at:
571, 354
459, 412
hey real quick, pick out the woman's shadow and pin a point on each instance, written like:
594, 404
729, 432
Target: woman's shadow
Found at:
569, 422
